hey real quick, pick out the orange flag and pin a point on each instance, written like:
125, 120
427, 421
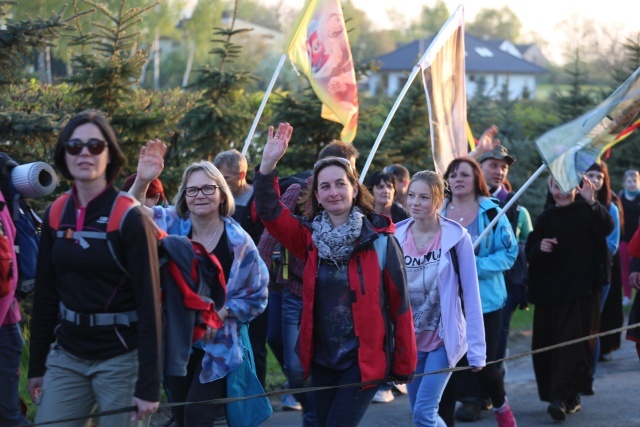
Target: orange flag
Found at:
319, 48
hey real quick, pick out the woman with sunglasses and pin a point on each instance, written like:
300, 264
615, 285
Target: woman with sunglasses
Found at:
202, 211
356, 323
441, 273
470, 206
95, 323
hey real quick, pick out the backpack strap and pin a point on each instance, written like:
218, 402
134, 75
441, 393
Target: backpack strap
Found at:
456, 268
121, 206
57, 209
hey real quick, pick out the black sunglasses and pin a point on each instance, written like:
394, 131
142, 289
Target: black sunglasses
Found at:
75, 146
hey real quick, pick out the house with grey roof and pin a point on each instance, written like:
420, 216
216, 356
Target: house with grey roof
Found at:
484, 60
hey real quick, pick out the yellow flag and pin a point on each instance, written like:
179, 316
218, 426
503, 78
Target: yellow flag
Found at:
319, 48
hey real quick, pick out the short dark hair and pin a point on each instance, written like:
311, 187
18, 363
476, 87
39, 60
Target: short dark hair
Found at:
399, 171
339, 149
95, 117
480, 187
378, 177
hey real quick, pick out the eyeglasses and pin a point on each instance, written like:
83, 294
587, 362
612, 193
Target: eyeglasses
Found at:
207, 190
330, 159
75, 146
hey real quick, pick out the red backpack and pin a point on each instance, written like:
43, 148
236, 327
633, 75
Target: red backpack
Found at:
192, 280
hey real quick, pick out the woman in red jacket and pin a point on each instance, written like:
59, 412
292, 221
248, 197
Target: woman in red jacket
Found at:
356, 320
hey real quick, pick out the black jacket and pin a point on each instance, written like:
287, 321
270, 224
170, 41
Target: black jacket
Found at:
90, 281
577, 265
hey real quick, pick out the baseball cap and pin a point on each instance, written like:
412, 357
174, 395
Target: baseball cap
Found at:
500, 153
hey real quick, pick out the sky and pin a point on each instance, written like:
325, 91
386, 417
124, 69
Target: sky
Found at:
540, 16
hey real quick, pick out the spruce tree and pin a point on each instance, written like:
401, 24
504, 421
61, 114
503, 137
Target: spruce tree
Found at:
220, 118
27, 128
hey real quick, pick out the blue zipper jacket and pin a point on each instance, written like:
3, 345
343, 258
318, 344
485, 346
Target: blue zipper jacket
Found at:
496, 254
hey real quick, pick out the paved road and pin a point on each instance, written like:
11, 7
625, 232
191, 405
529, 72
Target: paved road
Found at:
614, 404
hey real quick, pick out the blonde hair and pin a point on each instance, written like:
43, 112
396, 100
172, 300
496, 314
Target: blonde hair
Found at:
435, 182
227, 203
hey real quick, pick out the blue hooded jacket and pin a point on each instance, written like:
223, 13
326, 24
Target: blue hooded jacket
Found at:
496, 254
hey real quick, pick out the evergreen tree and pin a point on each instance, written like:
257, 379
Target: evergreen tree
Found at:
106, 72
578, 100
26, 127
219, 120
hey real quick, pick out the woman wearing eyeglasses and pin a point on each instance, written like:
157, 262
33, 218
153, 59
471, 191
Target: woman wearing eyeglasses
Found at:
356, 322
202, 211
95, 326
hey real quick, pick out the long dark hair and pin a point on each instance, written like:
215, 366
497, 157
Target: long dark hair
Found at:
604, 194
95, 117
308, 201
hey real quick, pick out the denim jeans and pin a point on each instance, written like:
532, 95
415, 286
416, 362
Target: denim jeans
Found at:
425, 391
72, 387
274, 326
10, 350
343, 407
291, 310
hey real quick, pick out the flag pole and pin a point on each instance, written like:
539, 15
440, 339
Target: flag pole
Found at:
406, 87
264, 102
510, 203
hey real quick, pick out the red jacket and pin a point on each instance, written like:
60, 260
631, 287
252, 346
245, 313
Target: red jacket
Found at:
387, 346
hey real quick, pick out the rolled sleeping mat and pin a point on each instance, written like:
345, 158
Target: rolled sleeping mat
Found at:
35, 179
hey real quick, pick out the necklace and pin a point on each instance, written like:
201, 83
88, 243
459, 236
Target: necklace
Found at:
428, 235
210, 240
462, 212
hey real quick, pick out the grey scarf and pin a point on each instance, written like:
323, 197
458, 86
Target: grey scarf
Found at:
336, 243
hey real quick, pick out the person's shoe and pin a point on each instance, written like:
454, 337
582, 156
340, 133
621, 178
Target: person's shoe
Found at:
383, 396
557, 410
400, 388
504, 415
573, 405
626, 301
289, 403
605, 357
468, 412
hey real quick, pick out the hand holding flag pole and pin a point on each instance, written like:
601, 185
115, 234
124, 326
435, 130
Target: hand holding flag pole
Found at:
570, 149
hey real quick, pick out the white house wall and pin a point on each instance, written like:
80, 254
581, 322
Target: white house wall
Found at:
395, 81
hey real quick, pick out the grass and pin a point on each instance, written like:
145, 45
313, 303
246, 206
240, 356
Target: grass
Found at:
522, 320
275, 376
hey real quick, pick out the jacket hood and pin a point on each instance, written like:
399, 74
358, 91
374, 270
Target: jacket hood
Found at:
452, 232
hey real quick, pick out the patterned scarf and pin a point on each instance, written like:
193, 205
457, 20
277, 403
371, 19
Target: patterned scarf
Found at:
336, 243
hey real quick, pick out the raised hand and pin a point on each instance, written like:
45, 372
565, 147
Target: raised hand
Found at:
151, 160
588, 191
276, 147
487, 141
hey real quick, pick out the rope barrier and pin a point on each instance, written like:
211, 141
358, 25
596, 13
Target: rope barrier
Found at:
226, 400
